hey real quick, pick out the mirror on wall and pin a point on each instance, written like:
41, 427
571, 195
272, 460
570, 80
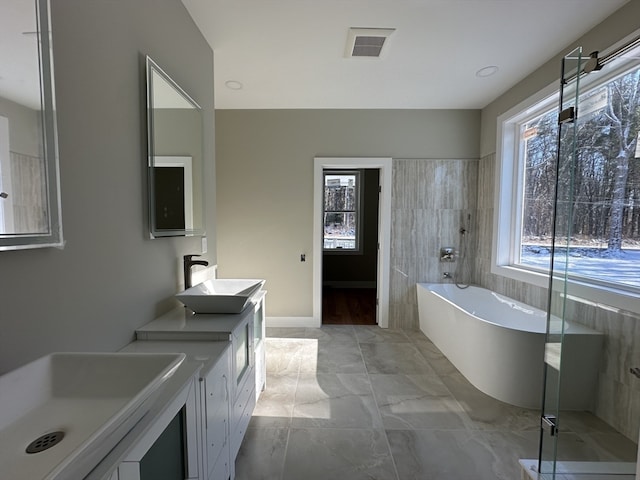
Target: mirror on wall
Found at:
29, 181
175, 163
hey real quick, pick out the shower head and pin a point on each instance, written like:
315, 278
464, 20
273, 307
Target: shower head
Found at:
593, 64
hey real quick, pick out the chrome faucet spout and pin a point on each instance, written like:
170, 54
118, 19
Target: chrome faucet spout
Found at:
188, 263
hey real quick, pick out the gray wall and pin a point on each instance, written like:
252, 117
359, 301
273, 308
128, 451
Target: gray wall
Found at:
265, 166
618, 393
109, 278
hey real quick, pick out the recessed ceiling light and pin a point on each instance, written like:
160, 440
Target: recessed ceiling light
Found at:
487, 71
233, 84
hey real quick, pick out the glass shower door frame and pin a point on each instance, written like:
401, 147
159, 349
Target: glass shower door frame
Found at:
550, 421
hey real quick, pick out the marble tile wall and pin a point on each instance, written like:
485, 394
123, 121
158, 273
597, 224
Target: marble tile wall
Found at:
617, 400
28, 179
430, 201
618, 397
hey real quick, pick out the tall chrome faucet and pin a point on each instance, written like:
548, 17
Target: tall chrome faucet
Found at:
188, 263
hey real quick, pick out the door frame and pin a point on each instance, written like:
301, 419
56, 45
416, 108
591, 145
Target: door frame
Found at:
384, 164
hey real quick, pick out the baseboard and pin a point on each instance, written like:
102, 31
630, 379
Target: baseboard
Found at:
306, 322
356, 284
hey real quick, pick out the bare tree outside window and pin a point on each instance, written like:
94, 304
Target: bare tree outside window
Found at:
604, 178
341, 202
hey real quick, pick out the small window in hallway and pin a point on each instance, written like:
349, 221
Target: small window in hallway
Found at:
341, 216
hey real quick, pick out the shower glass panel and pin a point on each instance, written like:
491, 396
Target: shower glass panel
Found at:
551, 422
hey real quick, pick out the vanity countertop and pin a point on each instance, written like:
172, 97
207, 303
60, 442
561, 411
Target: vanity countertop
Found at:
181, 324
201, 357
205, 353
174, 385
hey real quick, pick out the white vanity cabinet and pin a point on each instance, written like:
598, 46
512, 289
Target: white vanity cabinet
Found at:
247, 369
171, 429
213, 403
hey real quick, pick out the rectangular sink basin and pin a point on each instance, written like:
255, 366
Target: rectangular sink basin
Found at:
220, 295
61, 414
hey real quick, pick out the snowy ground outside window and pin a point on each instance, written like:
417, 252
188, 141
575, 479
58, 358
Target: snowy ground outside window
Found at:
595, 263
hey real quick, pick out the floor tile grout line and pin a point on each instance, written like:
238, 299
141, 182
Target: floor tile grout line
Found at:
286, 450
375, 401
290, 423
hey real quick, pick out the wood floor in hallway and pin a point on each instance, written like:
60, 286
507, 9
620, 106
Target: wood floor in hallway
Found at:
348, 306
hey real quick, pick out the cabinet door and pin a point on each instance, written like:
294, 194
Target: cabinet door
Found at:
259, 333
258, 324
242, 352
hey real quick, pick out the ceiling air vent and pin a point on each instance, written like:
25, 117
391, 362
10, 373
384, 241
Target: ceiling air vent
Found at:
367, 42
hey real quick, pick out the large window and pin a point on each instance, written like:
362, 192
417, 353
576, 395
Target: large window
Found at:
341, 217
603, 241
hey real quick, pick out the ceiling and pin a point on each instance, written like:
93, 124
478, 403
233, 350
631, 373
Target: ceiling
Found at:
290, 54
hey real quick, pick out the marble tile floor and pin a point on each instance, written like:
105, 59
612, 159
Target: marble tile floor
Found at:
360, 402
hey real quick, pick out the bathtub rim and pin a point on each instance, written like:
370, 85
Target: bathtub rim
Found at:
571, 328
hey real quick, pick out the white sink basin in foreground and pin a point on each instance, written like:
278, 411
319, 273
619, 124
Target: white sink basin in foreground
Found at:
220, 295
94, 399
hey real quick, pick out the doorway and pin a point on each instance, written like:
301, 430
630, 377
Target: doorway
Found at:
350, 252
379, 285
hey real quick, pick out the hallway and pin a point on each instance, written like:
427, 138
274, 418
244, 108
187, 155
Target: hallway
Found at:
348, 306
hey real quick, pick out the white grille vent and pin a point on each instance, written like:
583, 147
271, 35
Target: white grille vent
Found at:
367, 42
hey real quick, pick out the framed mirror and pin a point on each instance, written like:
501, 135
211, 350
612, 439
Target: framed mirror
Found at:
29, 175
175, 157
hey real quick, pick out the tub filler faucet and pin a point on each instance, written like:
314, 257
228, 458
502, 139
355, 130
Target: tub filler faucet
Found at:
188, 263
447, 275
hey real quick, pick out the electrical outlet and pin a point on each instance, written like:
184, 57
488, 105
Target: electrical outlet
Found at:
303, 257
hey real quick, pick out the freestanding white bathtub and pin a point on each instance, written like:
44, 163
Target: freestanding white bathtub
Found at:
498, 344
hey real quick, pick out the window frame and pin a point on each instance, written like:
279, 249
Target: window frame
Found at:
508, 206
359, 174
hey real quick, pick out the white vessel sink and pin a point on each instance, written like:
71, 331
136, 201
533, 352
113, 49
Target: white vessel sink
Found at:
220, 295
93, 399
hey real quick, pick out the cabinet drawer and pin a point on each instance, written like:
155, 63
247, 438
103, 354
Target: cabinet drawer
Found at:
242, 399
243, 423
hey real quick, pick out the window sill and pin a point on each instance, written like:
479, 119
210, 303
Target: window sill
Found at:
596, 295
342, 252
